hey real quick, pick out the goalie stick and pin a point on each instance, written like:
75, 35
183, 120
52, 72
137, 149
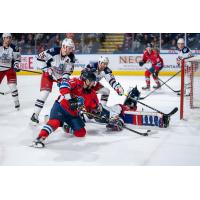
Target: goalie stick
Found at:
107, 120
168, 115
164, 83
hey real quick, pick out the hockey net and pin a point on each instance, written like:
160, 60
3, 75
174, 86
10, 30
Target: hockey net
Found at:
190, 84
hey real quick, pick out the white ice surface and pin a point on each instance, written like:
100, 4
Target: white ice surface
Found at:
177, 145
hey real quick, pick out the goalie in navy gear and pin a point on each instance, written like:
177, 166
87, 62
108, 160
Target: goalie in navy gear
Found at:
101, 70
10, 58
56, 63
128, 113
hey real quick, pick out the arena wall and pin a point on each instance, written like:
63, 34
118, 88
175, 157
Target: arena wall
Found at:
121, 64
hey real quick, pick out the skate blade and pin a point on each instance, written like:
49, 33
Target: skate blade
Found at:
31, 123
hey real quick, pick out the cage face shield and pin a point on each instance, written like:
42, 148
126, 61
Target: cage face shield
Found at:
133, 96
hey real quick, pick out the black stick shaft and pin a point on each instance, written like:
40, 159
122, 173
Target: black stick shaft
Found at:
35, 72
161, 85
168, 85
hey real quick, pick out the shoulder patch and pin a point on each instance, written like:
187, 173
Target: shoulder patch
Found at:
54, 51
185, 50
93, 66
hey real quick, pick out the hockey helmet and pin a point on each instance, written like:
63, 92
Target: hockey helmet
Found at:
132, 97
88, 75
181, 41
149, 45
6, 35
103, 59
68, 43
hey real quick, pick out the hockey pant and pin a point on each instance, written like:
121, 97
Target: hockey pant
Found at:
58, 116
153, 70
12, 82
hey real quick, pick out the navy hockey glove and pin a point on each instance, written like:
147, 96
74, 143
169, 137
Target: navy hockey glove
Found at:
141, 63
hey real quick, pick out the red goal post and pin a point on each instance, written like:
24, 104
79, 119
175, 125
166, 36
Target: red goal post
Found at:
190, 84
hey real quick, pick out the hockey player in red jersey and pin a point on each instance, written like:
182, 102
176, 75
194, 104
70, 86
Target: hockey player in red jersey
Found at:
155, 65
75, 93
10, 58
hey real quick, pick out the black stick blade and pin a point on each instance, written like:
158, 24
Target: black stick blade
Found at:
173, 111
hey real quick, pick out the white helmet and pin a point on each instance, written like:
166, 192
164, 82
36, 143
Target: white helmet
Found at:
181, 41
103, 59
6, 35
68, 43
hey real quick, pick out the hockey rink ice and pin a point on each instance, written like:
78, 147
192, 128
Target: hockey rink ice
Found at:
177, 145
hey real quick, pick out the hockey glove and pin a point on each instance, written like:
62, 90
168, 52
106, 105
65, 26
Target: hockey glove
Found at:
141, 63
76, 103
119, 89
16, 67
97, 111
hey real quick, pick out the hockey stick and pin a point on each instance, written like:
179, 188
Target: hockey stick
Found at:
176, 91
35, 72
4, 93
107, 120
168, 115
141, 98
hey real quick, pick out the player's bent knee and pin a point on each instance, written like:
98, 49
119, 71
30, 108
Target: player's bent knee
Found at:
147, 73
80, 133
54, 123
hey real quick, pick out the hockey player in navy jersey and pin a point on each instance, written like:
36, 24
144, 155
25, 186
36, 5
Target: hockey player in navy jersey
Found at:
56, 63
10, 58
101, 70
75, 94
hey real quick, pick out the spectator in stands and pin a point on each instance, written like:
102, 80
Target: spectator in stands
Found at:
22, 40
87, 46
173, 45
57, 41
70, 35
119, 49
30, 40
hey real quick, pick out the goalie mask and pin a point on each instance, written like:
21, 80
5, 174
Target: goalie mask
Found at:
131, 99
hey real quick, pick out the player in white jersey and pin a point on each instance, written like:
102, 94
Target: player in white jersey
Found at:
101, 70
10, 58
184, 53
56, 63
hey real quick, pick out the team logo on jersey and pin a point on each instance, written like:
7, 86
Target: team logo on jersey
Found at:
5, 58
